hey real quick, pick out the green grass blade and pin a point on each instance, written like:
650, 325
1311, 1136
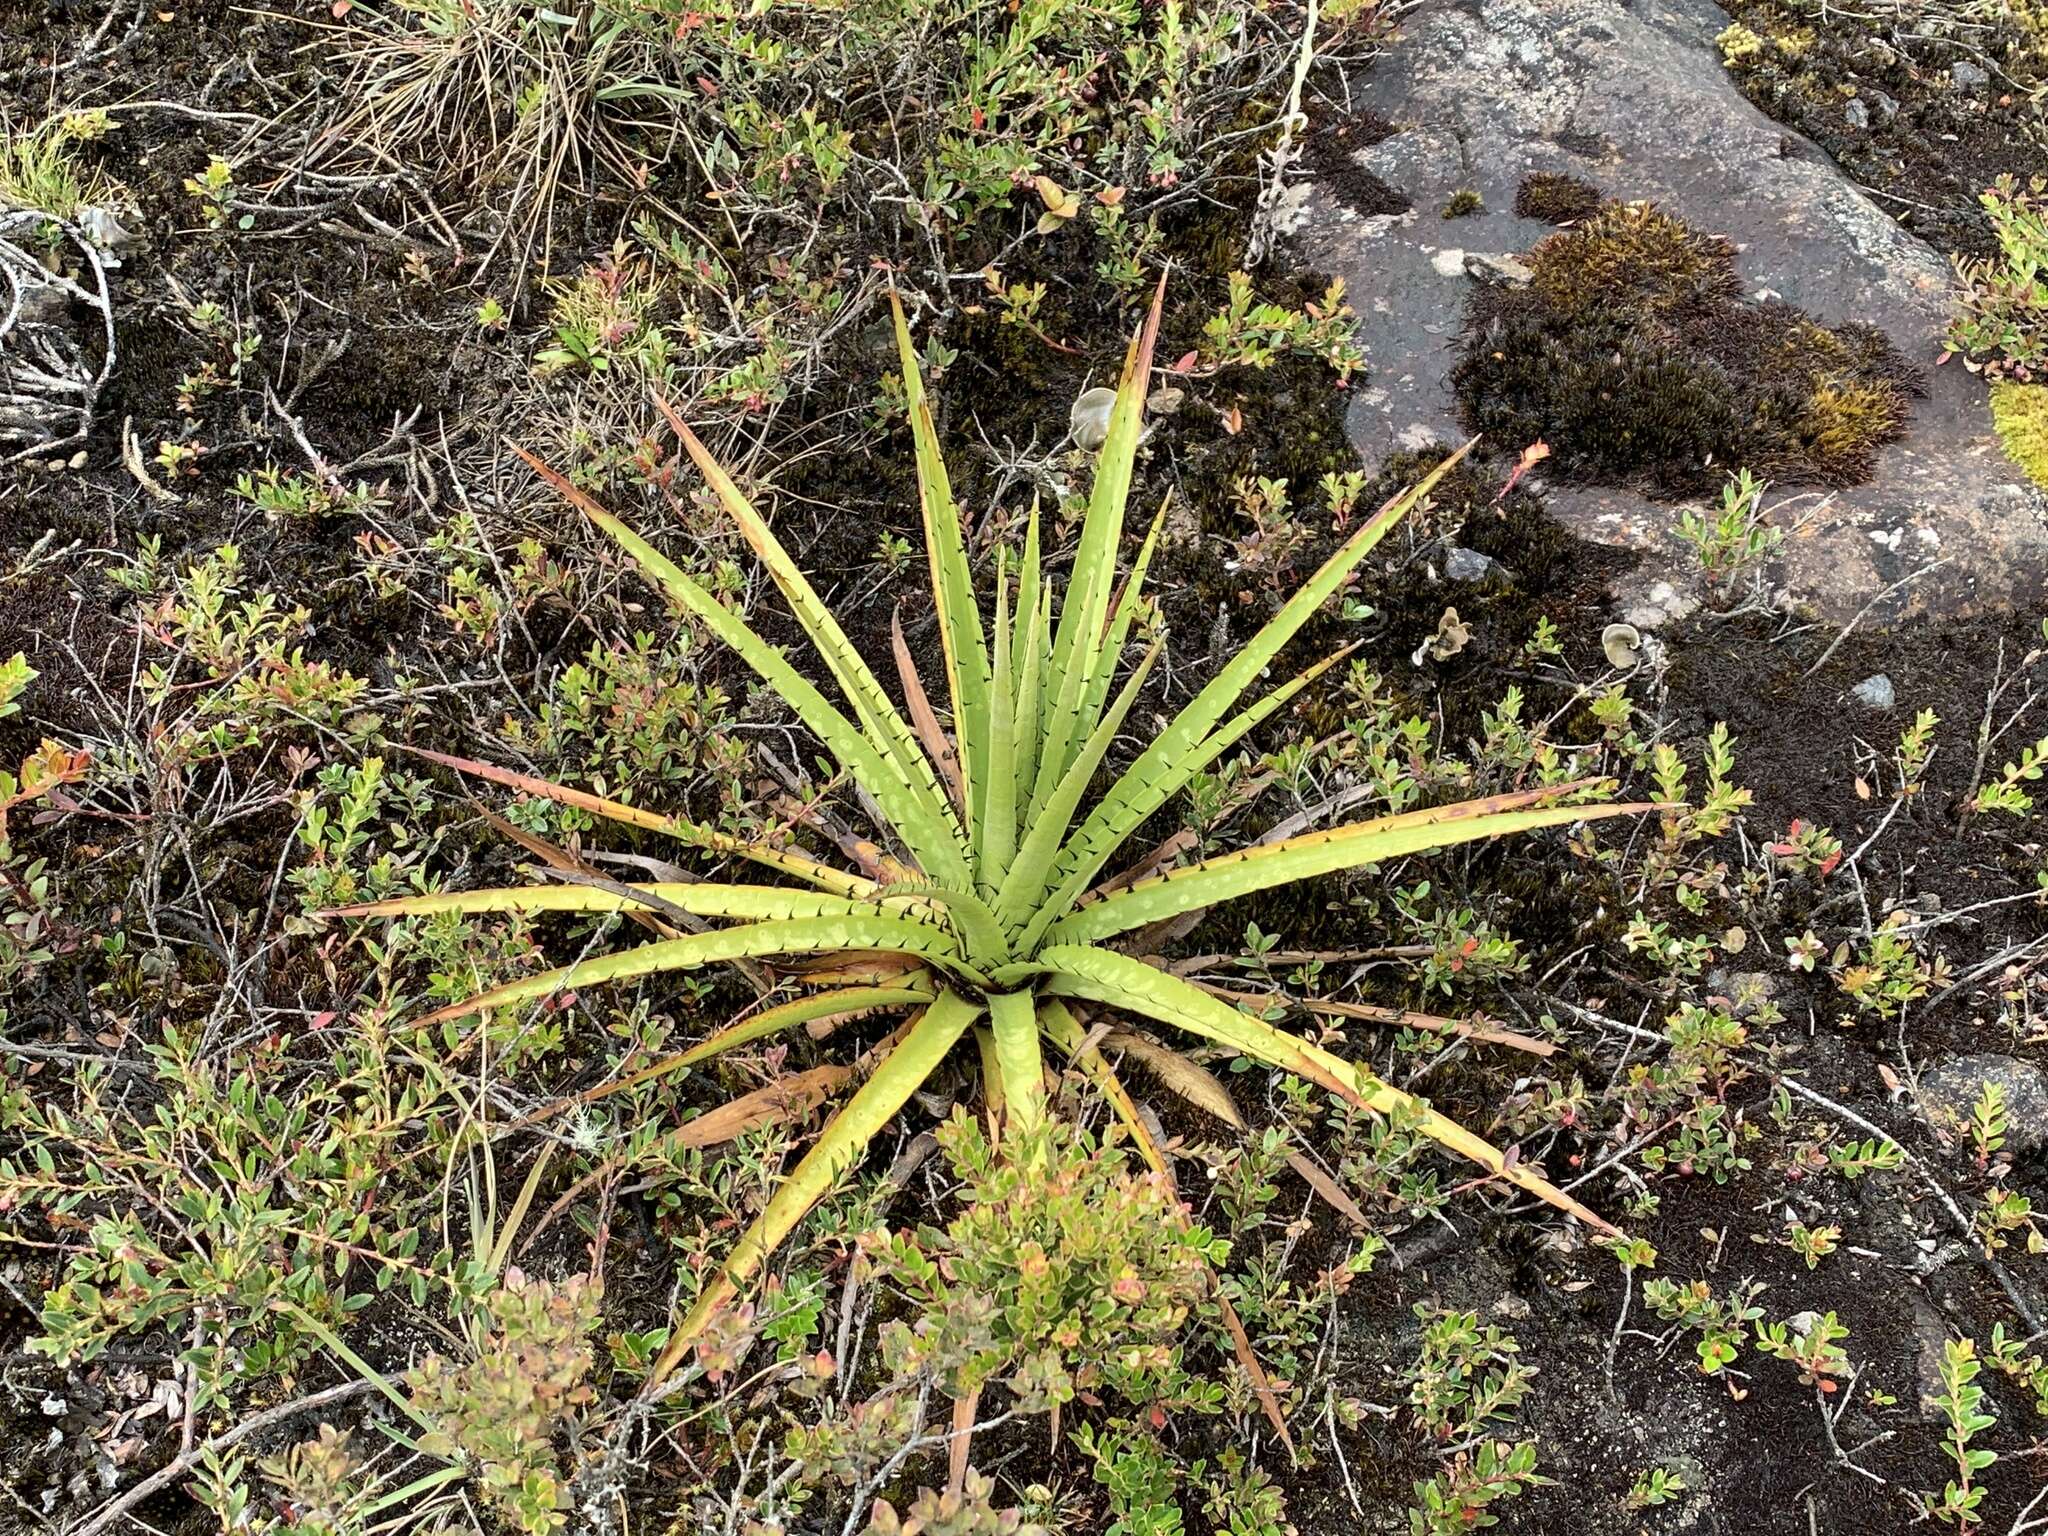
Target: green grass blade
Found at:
960, 633
1082, 970
752, 903
838, 881
922, 820
930, 941
1024, 888
884, 727
1314, 853
841, 1144
1014, 1018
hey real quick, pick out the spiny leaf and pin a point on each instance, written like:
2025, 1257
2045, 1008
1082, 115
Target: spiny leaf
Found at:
873, 1105
1303, 858
804, 868
1173, 756
835, 1006
929, 941
698, 898
923, 822
883, 733
1082, 970
1024, 887
923, 718
960, 633
1013, 1019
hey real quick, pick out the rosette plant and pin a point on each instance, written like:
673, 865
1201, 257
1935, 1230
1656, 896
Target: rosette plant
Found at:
981, 910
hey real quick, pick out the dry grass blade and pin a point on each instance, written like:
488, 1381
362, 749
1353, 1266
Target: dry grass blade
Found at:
1474, 1028
960, 1441
560, 859
784, 1101
1201, 1088
923, 719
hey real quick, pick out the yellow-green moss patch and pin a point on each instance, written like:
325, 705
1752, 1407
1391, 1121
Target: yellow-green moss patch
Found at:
2020, 413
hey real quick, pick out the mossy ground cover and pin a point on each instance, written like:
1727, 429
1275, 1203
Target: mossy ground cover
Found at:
1925, 105
2020, 413
1633, 353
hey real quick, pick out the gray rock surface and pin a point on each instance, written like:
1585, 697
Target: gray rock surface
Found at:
1635, 100
1950, 1091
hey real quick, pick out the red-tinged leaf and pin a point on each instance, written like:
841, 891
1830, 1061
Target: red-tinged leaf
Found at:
1233, 421
1184, 363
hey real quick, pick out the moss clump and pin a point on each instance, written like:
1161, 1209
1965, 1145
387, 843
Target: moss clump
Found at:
2020, 413
1737, 43
1634, 355
1633, 253
1463, 203
1556, 198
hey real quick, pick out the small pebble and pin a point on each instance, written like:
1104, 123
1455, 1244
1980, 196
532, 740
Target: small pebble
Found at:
1857, 113
1463, 564
1875, 692
1967, 76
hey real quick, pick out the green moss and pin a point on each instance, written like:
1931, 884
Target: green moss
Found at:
1556, 198
1632, 253
2020, 413
1463, 203
1633, 354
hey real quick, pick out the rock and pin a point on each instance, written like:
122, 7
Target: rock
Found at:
1659, 604
1498, 270
1875, 692
1857, 113
1746, 991
1950, 1091
106, 231
1463, 564
1887, 106
1930, 1337
1967, 76
1634, 98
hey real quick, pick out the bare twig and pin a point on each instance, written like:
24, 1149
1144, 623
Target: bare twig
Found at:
161, 1479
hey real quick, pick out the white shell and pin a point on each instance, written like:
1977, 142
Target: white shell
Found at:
1088, 421
1623, 646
